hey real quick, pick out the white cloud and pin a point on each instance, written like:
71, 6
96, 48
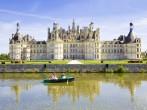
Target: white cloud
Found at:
28, 15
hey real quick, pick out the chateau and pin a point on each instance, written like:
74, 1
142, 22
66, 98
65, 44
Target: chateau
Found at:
74, 43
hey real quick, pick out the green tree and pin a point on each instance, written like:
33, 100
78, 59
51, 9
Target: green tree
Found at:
4, 57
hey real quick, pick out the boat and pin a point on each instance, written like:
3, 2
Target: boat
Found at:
59, 80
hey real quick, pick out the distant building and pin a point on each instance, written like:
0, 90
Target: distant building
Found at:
74, 43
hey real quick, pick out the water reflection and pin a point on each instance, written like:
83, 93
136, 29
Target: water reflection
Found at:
75, 90
18, 89
131, 83
92, 88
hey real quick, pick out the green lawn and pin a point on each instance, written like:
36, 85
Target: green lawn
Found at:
107, 62
47, 62
41, 62
66, 61
90, 61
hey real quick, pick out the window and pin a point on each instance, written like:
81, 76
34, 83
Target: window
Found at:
137, 55
120, 50
114, 50
102, 50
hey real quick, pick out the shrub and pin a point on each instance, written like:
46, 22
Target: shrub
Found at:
12, 61
142, 70
17, 61
3, 62
135, 61
120, 69
49, 62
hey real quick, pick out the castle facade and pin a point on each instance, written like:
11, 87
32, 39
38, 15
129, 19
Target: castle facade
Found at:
74, 43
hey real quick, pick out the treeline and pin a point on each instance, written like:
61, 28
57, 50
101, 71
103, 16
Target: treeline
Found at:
4, 57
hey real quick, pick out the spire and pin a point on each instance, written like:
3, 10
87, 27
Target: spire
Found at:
49, 35
16, 35
131, 26
73, 26
69, 28
91, 26
48, 31
130, 37
17, 27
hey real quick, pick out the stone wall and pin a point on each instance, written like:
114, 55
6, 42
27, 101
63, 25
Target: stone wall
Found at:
137, 68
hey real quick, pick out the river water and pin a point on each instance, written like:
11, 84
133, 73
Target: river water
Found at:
87, 92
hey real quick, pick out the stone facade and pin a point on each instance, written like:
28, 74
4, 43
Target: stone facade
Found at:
74, 43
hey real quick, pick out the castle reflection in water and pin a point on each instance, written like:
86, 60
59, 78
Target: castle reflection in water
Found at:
83, 87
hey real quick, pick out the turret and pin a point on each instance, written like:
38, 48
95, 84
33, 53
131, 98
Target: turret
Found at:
49, 34
17, 34
68, 28
55, 26
91, 26
130, 37
48, 30
78, 29
73, 26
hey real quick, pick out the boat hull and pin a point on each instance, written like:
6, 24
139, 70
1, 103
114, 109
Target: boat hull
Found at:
60, 80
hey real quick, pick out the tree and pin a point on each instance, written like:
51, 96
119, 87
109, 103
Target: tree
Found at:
4, 57
144, 54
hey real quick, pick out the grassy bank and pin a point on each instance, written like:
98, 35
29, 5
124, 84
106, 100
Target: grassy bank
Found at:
109, 62
36, 62
66, 62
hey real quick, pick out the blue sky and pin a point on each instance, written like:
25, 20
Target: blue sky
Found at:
111, 16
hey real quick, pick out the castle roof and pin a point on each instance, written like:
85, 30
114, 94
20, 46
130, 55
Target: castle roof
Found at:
130, 37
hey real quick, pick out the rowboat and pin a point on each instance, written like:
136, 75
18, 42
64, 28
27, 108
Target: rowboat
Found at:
59, 80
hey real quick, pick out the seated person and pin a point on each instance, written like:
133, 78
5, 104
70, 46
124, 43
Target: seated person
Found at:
54, 77
63, 76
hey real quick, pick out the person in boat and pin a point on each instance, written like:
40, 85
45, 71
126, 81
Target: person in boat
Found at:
54, 76
63, 76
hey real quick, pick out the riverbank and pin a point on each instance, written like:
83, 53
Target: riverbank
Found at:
73, 68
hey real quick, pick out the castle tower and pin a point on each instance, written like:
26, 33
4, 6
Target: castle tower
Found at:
14, 45
56, 30
130, 38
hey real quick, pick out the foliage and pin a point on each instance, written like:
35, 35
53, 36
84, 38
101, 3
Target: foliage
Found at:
4, 57
121, 69
144, 55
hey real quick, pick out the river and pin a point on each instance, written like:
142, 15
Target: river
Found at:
87, 92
